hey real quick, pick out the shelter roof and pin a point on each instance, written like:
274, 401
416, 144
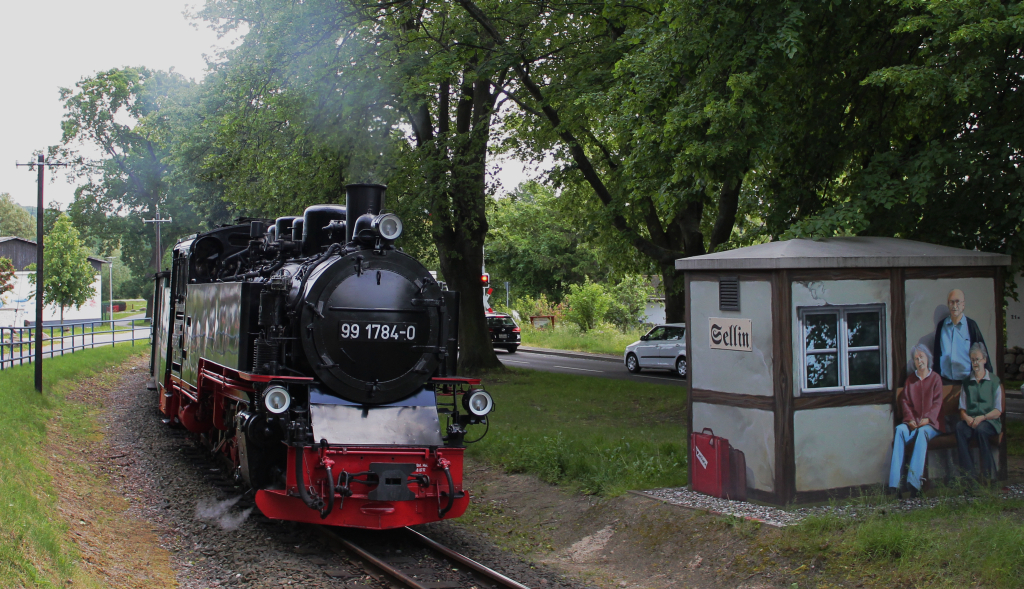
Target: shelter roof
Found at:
841, 252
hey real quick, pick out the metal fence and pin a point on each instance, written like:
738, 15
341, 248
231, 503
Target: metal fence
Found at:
18, 344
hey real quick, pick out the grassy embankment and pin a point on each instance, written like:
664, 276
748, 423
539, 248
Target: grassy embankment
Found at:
34, 550
956, 544
979, 543
605, 340
597, 435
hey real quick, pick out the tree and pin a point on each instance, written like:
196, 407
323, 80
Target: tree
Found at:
14, 219
536, 246
68, 274
946, 167
6, 275
120, 111
668, 115
340, 80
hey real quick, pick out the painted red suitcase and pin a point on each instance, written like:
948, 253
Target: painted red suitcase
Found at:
709, 463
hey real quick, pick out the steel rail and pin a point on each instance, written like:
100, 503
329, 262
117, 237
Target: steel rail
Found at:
386, 568
467, 562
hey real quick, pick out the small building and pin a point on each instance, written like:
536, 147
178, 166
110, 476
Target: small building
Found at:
19, 305
798, 350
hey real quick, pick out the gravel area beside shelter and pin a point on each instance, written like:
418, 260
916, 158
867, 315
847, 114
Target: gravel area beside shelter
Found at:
781, 517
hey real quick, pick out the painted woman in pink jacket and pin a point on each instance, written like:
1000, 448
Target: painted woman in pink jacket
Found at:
921, 403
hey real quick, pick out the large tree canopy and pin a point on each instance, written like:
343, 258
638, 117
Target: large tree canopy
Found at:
121, 112
15, 221
678, 126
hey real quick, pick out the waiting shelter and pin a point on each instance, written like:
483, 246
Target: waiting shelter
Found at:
799, 349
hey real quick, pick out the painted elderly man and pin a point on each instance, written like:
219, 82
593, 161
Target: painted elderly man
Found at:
981, 404
954, 337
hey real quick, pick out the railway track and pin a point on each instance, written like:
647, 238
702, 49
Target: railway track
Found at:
402, 557
411, 572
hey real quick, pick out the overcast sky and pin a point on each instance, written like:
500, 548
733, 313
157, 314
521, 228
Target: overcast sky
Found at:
48, 45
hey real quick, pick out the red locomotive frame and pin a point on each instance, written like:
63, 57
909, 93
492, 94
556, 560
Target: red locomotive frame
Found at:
205, 407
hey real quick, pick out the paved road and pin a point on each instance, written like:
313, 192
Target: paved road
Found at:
586, 366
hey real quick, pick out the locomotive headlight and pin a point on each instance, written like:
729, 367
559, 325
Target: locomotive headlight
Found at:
478, 402
388, 226
276, 399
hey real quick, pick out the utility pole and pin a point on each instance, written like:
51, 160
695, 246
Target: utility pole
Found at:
39, 165
157, 220
110, 288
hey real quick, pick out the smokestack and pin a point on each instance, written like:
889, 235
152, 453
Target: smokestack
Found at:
361, 199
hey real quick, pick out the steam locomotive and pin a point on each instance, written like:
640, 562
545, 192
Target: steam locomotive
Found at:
319, 360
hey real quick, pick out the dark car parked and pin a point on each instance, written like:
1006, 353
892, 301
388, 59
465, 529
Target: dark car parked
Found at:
504, 331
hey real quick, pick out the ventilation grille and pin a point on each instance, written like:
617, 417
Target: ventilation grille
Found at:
729, 294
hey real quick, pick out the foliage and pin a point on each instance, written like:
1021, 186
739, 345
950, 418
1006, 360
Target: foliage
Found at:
68, 275
629, 301
360, 92
34, 542
6, 275
15, 220
128, 114
536, 246
948, 168
588, 304
621, 435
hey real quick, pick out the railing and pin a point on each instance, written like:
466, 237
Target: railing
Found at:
18, 344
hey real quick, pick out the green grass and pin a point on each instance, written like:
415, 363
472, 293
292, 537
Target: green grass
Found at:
1014, 438
595, 435
956, 544
34, 551
606, 340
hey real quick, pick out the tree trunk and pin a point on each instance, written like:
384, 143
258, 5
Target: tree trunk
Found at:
675, 296
475, 350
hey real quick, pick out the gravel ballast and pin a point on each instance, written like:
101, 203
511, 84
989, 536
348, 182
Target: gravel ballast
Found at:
215, 537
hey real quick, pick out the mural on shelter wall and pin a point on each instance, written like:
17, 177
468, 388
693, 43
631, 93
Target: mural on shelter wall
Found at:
950, 389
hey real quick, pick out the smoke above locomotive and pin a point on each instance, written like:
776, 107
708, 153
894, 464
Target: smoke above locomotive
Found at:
319, 359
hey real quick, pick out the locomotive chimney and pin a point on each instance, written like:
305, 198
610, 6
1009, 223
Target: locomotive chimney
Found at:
361, 199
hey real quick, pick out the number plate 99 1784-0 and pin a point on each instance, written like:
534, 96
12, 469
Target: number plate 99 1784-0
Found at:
378, 331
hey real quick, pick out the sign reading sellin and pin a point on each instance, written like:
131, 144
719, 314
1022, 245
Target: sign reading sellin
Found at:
730, 334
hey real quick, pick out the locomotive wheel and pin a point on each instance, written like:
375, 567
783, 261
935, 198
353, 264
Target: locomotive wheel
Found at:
632, 364
681, 367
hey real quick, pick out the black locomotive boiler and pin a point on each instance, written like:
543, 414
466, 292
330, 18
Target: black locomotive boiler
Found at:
319, 359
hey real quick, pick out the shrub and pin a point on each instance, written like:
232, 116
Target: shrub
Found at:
629, 302
588, 304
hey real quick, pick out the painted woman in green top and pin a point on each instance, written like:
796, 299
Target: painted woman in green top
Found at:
981, 404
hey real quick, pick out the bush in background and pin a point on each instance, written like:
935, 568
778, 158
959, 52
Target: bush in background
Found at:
588, 304
629, 302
